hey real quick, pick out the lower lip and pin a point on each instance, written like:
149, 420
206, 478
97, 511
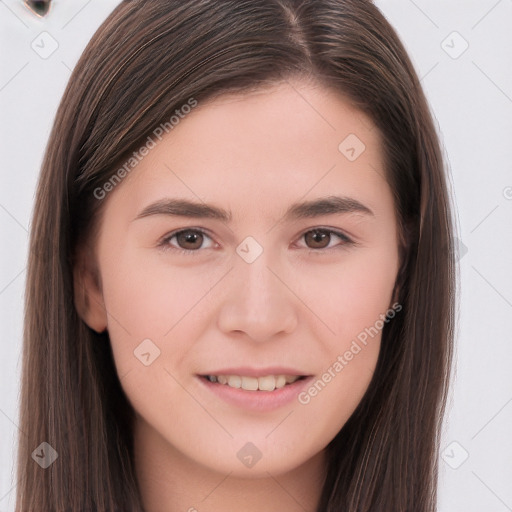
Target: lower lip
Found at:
261, 401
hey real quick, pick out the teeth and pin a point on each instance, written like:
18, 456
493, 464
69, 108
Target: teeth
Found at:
267, 383
280, 381
234, 381
248, 383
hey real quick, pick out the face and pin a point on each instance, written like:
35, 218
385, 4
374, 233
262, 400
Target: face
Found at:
279, 275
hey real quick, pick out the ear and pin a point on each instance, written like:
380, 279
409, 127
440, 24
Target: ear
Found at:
405, 238
88, 295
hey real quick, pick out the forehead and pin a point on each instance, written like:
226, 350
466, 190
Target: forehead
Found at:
274, 145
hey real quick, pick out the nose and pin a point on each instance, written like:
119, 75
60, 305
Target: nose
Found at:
259, 301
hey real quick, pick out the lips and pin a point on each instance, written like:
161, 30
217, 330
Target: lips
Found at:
256, 372
254, 400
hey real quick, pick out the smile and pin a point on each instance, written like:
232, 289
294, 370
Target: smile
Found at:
266, 383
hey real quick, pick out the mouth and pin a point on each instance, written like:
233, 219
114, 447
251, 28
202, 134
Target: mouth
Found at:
257, 390
266, 383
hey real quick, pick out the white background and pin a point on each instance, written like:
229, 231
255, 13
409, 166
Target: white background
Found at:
471, 97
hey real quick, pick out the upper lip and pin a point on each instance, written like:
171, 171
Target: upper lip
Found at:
256, 372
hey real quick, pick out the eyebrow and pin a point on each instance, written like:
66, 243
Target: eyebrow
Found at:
306, 210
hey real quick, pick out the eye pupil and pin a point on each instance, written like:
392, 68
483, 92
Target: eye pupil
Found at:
318, 238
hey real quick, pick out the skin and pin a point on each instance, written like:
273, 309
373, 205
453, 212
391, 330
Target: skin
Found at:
253, 154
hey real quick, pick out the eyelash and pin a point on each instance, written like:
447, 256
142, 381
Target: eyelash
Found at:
164, 243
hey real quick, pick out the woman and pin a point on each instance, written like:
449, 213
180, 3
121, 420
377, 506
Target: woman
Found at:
259, 366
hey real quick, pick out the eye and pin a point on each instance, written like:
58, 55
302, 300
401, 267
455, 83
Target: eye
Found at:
321, 238
188, 240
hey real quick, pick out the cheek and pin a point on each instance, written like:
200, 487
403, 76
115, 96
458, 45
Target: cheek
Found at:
352, 296
153, 309
352, 302
335, 394
149, 296
354, 306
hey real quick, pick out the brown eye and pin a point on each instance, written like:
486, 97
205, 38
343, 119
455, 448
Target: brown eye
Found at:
321, 239
317, 239
187, 241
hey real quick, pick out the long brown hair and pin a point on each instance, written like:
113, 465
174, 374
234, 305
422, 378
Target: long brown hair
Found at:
145, 61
